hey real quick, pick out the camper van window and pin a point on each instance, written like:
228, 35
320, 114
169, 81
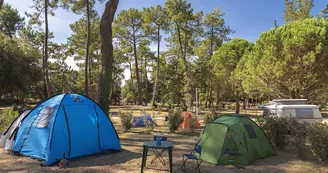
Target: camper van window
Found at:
304, 113
46, 116
250, 131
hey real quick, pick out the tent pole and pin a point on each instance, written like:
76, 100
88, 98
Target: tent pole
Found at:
196, 103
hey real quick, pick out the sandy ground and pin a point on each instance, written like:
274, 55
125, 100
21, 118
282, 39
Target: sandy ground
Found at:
129, 159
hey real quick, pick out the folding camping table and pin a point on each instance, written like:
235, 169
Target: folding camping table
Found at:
152, 144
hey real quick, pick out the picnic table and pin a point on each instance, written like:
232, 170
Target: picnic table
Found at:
165, 145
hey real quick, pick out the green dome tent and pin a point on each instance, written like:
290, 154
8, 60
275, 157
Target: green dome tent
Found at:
233, 139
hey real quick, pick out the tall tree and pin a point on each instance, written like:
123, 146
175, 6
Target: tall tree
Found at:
297, 9
85, 7
77, 42
216, 31
10, 20
293, 66
19, 68
185, 29
155, 21
324, 12
224, 63
46, 7
183, 26
128, 29
105, 75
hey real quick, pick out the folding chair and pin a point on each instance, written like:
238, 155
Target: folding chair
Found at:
191, 156
159, 153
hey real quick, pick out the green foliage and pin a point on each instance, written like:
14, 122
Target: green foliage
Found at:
225, 62
174, 119
210, 116
277, 129
129, 32
297, 10
284, 132
130, 91
126, 120
324, 12
19, 68
318, 137
10, 20
192, 124
7, 116
289, 61
298, 136
77, 49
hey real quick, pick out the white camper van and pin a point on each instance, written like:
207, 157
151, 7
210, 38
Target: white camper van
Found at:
292, 108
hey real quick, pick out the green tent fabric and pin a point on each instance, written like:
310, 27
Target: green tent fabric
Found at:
233, 139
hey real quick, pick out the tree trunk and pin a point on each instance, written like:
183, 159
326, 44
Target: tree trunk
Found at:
90, 77
86, 77
130, 64
216, 96
157, 68
45, 58
146, 82
206, 100
8, 31
137, 71
237, 104
105, 74
1, 3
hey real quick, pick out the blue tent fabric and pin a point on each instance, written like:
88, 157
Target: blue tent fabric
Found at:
70, 124
139, 121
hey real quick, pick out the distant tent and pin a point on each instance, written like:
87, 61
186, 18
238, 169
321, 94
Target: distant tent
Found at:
233, 139
187, 116
67, 124
142, 120
7, 137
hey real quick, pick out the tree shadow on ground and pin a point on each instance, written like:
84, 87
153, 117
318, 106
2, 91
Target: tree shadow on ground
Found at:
105, 159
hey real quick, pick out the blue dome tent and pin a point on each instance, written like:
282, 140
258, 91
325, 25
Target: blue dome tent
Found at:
139, 121
67, 124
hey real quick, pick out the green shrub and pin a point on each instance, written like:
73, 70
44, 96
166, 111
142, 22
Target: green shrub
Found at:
298, 136
6, 118
284, 132
192, 124
126, 120
210, 116
277, 130
174, 119
318, 139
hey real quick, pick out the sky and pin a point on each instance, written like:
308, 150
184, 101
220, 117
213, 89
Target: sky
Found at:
248, 18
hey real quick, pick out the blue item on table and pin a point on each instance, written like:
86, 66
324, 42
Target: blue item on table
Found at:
158, 140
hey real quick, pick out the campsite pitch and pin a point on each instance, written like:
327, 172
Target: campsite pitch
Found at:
129, 160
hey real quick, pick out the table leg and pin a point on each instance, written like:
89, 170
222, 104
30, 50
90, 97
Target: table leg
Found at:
158, 156
143, 159
170, 159
146, 156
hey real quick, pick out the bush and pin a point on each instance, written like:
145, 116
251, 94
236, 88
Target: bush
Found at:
276, 130
318, 139
6, 118
210, 116
126, 120
298, 136
192, 124
284, 132
174, 119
